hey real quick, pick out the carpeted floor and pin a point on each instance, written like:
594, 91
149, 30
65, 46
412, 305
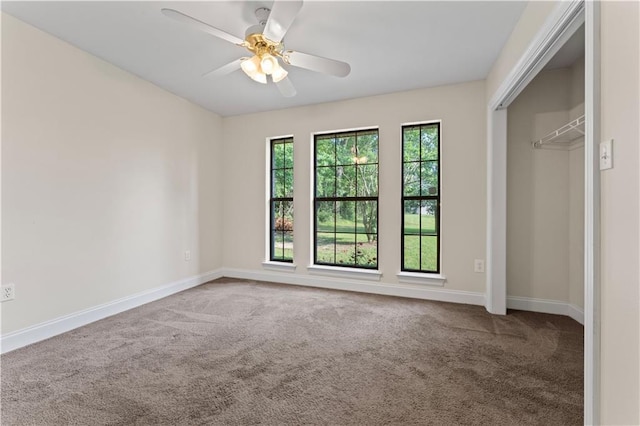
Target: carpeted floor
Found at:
239, 352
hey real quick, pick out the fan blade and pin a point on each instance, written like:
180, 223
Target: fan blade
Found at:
285, 87
317, 63
179, 16
280, 19
225, 69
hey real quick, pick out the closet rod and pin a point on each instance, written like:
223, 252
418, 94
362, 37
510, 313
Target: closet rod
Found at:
572, 125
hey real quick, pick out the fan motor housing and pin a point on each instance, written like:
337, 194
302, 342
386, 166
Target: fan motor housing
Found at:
259, 44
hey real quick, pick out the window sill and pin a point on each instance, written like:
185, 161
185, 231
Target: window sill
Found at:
336, 271
421, 278
279, 266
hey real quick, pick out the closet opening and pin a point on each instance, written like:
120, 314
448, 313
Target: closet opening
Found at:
545, 187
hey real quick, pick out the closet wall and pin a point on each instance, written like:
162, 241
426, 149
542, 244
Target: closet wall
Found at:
545, 190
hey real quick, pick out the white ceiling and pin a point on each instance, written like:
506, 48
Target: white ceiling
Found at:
391, 45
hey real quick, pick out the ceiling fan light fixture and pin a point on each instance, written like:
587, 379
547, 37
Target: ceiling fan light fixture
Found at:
278, 74
251, 67
268, 63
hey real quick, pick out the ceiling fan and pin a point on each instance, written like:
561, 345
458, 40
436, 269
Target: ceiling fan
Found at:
265, 42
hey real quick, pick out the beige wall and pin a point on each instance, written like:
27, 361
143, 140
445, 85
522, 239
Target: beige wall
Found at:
538, 191
577, 82
462, 111
620, 187
106, 181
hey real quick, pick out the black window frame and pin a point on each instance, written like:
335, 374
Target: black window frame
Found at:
421, 198
356, 198
273, 200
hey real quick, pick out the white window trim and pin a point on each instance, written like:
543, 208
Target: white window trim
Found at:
437, 280
279, 266
347, 130
337, 271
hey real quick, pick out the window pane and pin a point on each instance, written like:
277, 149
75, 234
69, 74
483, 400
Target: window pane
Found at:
325, 151
429, 184
346, 181
411, 179
429, 142
286, 224
428, 219
366, 252
277, 249
278, 184
282, 230
326, 182
429, 247
412, 252
367, 217
283, 216
325, 247
411, 143
288, 183
367, 176
345, 216
277, 157
283, 245
412, 217
346, 148
276, 212
367, 148
345, 249
325, 216
288, 154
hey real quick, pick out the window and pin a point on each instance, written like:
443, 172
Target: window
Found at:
281, 200
346, 199
421, 197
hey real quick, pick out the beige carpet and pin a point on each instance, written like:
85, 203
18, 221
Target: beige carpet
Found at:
238, 352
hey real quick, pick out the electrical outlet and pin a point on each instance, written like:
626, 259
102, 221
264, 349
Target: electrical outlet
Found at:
8, 292
187, 255
478, 265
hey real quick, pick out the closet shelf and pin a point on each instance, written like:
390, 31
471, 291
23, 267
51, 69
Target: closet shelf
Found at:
563, 136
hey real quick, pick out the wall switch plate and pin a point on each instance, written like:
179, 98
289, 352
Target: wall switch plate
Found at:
187, 255
7, 292
478, 265
606, 155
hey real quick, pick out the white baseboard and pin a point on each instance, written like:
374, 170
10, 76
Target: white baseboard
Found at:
546, 306
576, 312
45, 330
361, 286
